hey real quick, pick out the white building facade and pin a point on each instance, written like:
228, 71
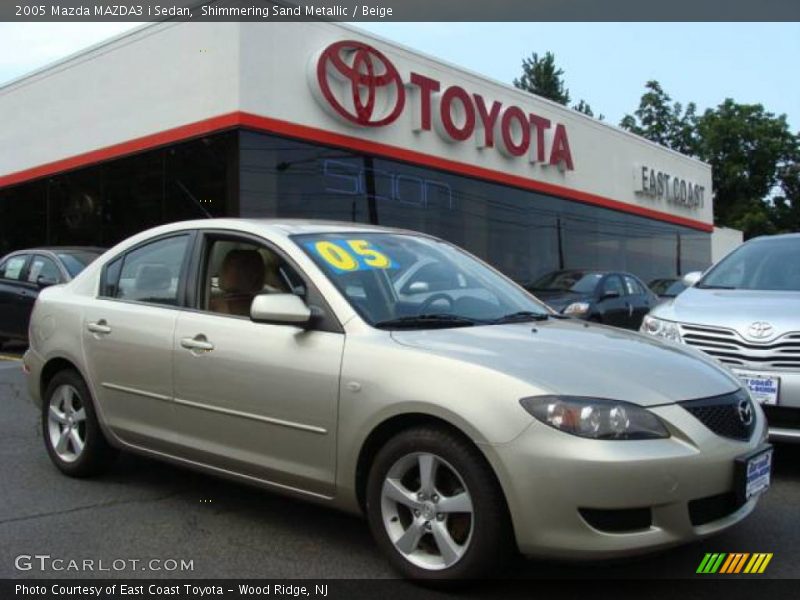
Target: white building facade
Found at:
320, 120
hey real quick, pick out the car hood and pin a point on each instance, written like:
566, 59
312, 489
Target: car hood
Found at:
734, 309
572, 357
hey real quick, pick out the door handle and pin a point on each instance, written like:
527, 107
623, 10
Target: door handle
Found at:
98, 326
198, 342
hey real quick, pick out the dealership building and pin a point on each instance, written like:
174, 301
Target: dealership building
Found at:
319, 120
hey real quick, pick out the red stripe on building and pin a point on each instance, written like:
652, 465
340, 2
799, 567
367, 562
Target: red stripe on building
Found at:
303, 132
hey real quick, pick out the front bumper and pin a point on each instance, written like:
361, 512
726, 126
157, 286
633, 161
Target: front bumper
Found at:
685, 483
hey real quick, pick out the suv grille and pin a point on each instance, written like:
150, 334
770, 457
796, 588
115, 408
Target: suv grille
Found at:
725, 415
729, 347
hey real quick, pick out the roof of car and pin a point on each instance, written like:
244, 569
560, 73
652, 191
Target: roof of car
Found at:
70, 249
780, 236
288, 226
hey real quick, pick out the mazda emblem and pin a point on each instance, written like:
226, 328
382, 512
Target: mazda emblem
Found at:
759, 330
359, 84
745, 412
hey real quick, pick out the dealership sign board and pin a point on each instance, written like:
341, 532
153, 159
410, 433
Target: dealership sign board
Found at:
359, 85
660, 185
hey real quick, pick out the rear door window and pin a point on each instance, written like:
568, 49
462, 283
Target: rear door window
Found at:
151, 273
633, 287
43, 267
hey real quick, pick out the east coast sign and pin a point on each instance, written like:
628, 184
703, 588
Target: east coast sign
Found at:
357, 84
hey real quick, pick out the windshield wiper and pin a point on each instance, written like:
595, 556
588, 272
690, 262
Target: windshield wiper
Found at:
428, 321
521, 316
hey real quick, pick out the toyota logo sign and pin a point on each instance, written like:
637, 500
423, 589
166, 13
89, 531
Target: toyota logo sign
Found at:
360, 84
759, 330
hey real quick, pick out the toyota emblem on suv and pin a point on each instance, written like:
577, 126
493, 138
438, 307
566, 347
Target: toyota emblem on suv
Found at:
359, 84
759, 330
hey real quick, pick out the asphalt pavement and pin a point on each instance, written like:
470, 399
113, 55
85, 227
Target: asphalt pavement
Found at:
144, 510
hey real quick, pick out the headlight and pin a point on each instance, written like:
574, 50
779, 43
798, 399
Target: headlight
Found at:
596, 418
577, 308
661, 328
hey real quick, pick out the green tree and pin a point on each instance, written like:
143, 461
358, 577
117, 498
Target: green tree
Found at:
540, 76
753, 156
787, 201
583, 107
660, 120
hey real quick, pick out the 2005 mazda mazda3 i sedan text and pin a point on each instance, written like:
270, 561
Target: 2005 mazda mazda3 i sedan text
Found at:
390, 372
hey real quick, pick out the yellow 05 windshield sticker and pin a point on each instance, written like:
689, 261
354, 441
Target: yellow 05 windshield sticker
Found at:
344, 256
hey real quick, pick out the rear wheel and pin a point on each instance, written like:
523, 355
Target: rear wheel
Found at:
435, 507
72, 435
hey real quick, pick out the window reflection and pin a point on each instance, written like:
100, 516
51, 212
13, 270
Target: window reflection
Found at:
525, 234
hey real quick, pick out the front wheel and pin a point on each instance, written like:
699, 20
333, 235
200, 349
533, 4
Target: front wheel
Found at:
72, 435
435, 507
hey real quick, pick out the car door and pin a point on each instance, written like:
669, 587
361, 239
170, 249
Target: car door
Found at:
639, 301
255, 398
127, 338
15, 296
612, 306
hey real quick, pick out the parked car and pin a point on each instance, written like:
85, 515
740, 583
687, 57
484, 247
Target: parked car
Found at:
745, 312
464, 425
613, 298
667, 288
25, 272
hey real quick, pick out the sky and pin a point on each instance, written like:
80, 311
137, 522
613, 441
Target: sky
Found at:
606, 64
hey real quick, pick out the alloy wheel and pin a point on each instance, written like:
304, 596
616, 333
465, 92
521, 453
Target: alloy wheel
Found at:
427, 511
66, 423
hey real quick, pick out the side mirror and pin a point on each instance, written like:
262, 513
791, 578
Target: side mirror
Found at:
418, 287
691, 278
44, 282
609, 294
280, 309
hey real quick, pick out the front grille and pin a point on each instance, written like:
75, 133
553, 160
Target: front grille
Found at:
619, 520
712, 508
782, 416
723, 414
726, 345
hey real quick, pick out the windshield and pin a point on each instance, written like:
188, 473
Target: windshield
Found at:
769, 264
393, 279
568, 281
75, 262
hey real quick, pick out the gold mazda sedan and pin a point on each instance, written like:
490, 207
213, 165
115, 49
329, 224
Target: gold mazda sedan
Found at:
391, 373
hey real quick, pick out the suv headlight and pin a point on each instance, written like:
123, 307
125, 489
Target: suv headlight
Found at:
596, 418
660, 328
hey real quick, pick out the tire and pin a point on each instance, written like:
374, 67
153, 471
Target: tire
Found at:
475, 543
68, 419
